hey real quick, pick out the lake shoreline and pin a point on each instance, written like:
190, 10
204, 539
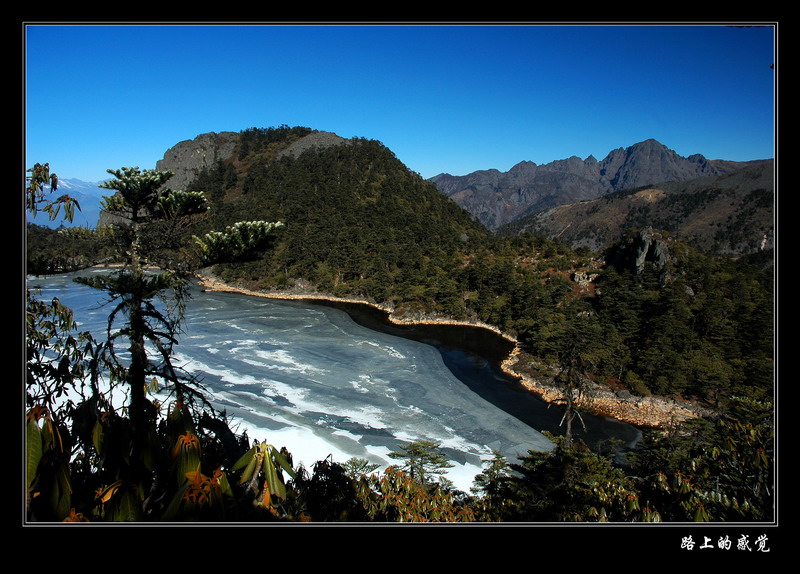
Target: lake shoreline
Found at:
642, 412
213, 283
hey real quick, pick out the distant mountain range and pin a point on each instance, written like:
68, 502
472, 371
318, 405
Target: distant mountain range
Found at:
498, 198
88, 196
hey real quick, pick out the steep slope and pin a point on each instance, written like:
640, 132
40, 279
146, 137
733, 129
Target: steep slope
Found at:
497, 198
731, 214
357, 221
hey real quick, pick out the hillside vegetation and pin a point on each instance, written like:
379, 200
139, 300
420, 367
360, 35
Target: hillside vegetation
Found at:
357, 223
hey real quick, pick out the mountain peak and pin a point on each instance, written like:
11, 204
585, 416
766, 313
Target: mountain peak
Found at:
649, 142
649, 146
529, 188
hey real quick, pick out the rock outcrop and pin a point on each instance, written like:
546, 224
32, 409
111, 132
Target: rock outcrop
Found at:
313, 140
188, 158
650, 246
638, 248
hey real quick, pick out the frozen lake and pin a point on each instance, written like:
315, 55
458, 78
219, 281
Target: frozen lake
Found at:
310, 378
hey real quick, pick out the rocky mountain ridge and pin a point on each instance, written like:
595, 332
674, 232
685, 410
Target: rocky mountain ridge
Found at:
188, 158
497, 198
723, 206
731, 214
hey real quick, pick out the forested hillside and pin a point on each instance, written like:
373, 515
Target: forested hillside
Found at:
356, 222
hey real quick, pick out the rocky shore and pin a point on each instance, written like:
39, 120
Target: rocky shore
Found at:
643, 412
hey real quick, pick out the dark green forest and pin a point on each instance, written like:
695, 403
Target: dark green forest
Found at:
357, 223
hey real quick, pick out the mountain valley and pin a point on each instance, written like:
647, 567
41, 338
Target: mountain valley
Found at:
652, 304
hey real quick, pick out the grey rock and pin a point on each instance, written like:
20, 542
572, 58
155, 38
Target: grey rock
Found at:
650, 246
188, 158
313, 140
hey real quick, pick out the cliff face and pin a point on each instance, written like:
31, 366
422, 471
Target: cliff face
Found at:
497, 198
187, 158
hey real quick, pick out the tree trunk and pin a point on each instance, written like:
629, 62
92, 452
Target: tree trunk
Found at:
136, 380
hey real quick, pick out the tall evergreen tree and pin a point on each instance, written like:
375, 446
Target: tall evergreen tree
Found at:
149, 330
422, 459
577, 344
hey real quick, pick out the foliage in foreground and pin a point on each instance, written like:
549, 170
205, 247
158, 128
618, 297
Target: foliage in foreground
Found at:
198, 469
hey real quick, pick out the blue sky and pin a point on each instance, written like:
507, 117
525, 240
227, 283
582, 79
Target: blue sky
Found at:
445, 99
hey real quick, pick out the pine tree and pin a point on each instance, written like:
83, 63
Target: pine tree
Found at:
423, 459
149, 330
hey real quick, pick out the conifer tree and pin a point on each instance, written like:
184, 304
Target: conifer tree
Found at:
423, 459
575, 346
149, 329
98, 454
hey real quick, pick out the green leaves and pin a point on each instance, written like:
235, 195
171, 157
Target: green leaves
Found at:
33, 450
48, 480
714, 473
248, 463
264, 461
36, 199
237, 242
423, 459
137, 190
186, 454
396, 497
174, 204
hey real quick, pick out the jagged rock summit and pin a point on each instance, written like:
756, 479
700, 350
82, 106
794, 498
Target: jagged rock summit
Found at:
498, 198
186, 159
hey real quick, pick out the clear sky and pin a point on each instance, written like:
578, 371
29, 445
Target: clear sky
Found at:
444, 98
